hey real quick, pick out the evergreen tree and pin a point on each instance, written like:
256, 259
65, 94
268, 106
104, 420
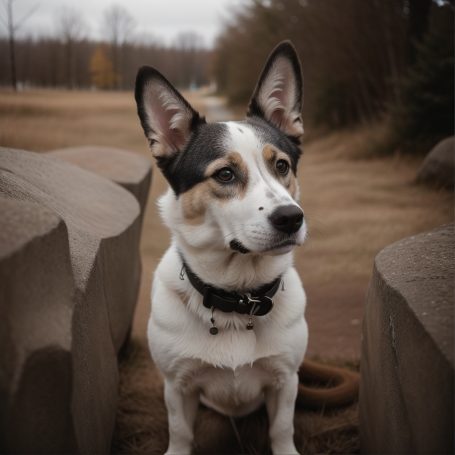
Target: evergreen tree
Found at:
425, 113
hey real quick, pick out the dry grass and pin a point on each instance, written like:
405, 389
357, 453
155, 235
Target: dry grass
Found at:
141, 426
45, 119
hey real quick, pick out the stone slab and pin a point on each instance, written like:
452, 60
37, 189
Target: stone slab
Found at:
36, 304
407, 364
438, 168
103, 229
130, 170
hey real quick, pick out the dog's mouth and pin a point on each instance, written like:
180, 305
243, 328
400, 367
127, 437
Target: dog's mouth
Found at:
238, 246
283, 246
279, 248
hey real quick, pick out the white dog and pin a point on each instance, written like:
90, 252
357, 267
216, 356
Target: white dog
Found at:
227, 326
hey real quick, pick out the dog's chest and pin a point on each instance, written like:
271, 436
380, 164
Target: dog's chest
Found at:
232, 391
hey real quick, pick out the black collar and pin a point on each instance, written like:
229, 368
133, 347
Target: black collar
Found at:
257, 302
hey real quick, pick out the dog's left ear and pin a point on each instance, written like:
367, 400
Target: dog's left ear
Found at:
278, 94
167, 118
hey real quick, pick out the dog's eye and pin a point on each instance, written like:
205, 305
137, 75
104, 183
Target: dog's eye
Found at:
225, 175
282, 166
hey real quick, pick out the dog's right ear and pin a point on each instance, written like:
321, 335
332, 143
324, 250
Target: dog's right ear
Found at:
167, 118
277, 97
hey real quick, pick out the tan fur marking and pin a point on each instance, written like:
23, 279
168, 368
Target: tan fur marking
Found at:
194, 202
271, 155
238, 189
292, 185
236, 160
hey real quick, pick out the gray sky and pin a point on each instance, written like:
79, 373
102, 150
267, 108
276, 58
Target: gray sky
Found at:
162, 19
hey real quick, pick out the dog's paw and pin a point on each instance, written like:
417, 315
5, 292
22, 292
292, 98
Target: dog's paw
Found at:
284, 449
178, 451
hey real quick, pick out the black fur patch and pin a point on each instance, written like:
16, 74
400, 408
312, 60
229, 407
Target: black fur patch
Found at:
187, 168
269, 134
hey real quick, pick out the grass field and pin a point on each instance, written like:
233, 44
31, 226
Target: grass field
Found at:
354, 206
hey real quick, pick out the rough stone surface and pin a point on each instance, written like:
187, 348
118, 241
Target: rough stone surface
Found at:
407, 365
130, 170
438, 168
80, 268
35, 332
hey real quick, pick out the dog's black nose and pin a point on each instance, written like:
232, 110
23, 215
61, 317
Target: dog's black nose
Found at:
287, 218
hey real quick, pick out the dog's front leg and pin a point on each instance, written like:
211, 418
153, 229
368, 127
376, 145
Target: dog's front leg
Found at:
181, 412
280, 402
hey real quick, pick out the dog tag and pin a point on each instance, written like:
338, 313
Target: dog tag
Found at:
214, 329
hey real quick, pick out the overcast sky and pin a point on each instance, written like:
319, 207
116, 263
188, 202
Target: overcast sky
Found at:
163, 19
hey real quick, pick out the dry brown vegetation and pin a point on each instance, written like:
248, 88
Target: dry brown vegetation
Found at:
45, 119
354, 205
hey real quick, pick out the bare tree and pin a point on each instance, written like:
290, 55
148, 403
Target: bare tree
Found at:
188, 47
118, 25
12, 27
71, 29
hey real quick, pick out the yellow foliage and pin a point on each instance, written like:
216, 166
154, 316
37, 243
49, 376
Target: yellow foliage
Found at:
101, 69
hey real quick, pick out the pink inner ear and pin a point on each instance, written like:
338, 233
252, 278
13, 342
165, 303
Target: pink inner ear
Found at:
167, 122
282, 115
278, 117
173, 136
177, 139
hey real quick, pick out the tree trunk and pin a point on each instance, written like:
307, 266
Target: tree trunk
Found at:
12, 53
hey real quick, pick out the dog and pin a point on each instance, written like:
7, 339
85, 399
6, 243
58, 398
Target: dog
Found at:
227, 326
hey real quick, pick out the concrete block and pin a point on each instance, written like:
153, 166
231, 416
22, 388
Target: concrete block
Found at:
130, 170
438, 168
407, 364
36, 304
103, 223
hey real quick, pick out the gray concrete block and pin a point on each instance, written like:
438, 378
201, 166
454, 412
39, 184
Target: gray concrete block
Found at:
130, 170
438, 168
36, 304
103, 223
407, 365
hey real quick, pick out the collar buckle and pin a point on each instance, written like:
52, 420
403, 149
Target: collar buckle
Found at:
251, 299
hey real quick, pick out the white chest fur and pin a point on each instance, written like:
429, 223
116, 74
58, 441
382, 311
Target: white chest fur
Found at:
231, 369
234, 392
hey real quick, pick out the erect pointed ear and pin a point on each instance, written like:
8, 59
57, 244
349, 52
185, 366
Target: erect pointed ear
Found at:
166, 117
278, 94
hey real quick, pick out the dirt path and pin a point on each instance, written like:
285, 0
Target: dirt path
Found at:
354, 209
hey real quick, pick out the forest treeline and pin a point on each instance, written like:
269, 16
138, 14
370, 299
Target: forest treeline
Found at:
68, 58
361, 60
46, 62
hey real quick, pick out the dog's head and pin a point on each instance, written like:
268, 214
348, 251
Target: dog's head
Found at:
233, 184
